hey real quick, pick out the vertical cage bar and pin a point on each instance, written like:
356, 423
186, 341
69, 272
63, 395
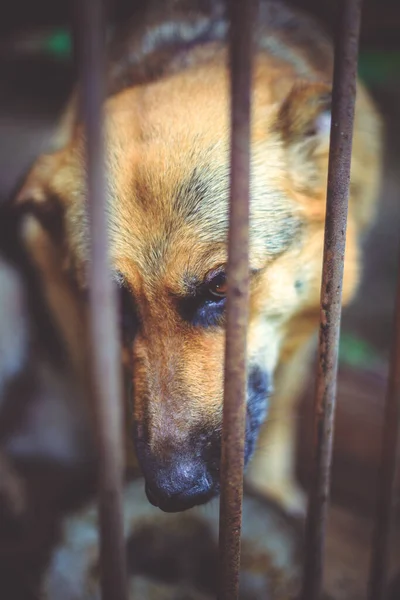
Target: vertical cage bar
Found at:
232, 460
387, 473
106, 364
343, 105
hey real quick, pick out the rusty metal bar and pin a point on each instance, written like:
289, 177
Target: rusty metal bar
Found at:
387, 473
343, 105
106, 364
234, 415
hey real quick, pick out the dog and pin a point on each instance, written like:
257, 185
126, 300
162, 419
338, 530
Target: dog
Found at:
167, 131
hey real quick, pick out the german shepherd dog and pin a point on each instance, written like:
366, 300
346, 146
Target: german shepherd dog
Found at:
167, 128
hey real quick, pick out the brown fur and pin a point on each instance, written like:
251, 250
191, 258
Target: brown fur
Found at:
167, 131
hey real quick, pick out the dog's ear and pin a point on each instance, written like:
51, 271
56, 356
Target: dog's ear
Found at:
61, 294
305, 114
34, 186
303, 123
36, 196
35, 189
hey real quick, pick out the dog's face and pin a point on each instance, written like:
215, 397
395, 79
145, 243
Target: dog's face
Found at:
168, 169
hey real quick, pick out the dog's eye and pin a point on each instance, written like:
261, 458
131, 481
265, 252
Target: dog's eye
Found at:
217, 284
205, 305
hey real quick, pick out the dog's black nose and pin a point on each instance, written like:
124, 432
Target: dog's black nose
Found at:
180, 487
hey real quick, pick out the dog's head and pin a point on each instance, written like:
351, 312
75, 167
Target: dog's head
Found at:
168, 189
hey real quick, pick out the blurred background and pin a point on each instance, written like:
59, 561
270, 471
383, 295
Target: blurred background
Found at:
37, 70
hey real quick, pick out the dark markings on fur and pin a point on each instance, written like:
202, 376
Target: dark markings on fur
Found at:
258, 391
202, 201
193, 192
157, 43
198, 205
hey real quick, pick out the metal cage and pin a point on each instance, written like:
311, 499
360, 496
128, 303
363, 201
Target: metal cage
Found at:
107, 386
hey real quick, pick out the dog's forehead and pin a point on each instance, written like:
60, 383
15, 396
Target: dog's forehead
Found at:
168, 180
168, 194
171, 223
168, 170
168, 145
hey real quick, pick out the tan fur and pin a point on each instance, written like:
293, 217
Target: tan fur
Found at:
159, 133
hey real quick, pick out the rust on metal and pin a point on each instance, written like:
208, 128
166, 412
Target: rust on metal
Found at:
387, 472
343, 105
106, 364
232, 460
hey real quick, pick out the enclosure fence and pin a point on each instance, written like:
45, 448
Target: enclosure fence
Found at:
105, 337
